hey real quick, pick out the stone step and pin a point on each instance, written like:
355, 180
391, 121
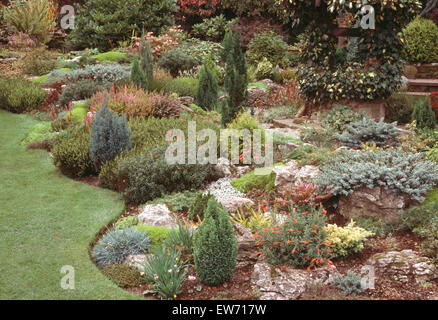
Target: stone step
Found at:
297, 123
415, 94
423, 85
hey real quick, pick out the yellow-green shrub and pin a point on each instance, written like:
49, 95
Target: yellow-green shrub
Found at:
346, 240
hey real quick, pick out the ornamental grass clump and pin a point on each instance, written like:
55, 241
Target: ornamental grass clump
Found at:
117, 245
369, 131
215, 246
394, 170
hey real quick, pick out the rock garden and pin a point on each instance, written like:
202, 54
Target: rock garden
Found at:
346, 101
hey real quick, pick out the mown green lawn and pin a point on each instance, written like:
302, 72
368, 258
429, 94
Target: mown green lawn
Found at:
47, 221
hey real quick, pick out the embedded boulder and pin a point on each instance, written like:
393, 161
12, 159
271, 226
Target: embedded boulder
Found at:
157, 215
246, 246
292, 174
137, 261
378, 202
402, 265
289, 283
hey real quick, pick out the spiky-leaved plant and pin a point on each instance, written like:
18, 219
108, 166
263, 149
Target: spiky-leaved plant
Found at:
207, 94
110, 135
215, 246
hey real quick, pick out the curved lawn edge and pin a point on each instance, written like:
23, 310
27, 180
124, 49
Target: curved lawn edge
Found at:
48, 221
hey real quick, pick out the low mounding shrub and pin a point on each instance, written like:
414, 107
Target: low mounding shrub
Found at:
212, 29
80, 90
126, 223
102, 73
371, 132
252, 181
392, 169
149, 176
72, 155
123, 275
146, 134
339, 117
423, 114
19, 95
346, 240
350, 284
267, 45
183, 86
299, 242
399, 108
110, 135
39, 132
38, 62
157, 234
117, 245
215, 246
175, 61
178, 202
421, 41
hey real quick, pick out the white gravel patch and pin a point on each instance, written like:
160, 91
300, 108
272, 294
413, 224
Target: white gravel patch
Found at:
223, 189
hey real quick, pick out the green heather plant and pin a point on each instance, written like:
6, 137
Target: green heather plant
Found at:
207, 95
369, 131
39, 132
110, 135
72, 155
392, 169
182, 86
252, 181
423, 114
19, 95
215, 246
117, 245
123, 275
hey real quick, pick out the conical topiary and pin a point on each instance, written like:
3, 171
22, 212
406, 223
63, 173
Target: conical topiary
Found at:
215, 246
146, 58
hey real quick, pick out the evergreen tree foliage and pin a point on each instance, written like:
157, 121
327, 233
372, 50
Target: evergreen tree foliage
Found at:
138, 77
236, 78
207, 94
215, 246
146, 58
424, 115
110, 135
